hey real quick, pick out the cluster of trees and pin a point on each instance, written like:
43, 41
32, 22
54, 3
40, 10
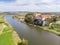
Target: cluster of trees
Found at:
50, 20
28, 17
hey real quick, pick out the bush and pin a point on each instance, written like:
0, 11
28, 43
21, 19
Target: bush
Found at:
51, 27
24, 42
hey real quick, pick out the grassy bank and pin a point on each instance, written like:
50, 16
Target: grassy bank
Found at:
8, 36
6, 33
46, 28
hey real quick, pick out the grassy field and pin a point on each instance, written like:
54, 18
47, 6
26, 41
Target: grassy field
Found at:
6, 38
6, 33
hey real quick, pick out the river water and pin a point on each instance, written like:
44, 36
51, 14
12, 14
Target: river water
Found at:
33, 35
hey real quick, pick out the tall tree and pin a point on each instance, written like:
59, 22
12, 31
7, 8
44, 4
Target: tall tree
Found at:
28, 17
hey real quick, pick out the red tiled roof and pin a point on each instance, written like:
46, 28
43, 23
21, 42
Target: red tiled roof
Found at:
43, 16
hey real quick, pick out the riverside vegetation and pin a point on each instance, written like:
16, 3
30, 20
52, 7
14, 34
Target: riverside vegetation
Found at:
54, 28
8, 36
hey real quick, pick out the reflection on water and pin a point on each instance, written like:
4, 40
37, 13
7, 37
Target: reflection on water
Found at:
34, 36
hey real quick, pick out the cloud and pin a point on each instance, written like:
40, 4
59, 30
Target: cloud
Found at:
30, 5
47, 1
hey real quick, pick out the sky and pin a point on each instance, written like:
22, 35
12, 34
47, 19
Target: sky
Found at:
30, 5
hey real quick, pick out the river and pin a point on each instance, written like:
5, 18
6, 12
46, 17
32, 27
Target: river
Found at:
33, 35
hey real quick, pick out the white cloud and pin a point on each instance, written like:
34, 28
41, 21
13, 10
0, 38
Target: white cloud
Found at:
21, 1
47, 1
19, 5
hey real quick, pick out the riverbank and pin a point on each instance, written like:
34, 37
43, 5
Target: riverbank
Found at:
14, 36
45, 28
8, 35
19, 17
17, 39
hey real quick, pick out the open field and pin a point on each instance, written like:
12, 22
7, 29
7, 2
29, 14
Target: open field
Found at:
6, 33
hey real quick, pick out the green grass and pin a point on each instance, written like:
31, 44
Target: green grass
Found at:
6, 35
6, 29
46, 28
6, 39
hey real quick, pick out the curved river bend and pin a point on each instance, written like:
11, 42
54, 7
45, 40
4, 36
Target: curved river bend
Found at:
34, 36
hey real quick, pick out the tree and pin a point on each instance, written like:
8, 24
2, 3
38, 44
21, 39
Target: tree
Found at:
48, 20
58, 18
54, 18
28, 17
